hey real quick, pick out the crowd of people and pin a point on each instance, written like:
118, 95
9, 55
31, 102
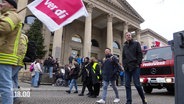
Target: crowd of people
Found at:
88, 69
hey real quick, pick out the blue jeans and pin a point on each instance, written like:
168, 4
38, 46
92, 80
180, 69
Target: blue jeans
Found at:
32, 80
36, 79
136, 78
6, 85
73, 83
45, 69
15, 73
122, 80
105, 86
50, 72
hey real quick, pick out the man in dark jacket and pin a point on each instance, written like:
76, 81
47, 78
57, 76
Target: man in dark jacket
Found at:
109, 74
86, 77
132, 57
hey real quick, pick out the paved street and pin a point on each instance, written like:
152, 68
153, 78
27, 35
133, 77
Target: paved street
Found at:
47, 94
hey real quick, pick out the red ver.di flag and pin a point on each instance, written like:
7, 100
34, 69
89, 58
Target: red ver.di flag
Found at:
57, 13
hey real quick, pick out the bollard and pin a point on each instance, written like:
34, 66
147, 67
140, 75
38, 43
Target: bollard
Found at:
179, 66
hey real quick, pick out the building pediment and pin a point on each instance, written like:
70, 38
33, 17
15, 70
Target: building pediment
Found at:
126, 7
154, 34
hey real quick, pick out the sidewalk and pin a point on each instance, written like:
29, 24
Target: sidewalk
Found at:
24, 85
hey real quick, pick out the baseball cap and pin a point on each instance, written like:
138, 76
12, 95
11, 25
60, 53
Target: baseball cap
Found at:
13, 3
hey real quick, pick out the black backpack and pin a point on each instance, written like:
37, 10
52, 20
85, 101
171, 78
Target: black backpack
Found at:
31, 52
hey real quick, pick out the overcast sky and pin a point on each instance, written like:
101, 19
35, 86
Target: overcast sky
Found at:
162, 16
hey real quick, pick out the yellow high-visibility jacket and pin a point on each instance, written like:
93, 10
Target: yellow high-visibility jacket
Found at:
22, 49
10, 30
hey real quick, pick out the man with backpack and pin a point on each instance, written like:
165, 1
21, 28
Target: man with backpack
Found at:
109, 74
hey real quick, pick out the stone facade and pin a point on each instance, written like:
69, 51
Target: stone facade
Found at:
105, 26
148, 37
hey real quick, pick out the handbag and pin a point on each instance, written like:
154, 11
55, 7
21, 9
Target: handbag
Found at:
121, 74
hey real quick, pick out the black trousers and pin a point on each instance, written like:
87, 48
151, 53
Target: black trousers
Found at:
96, 87
88, 85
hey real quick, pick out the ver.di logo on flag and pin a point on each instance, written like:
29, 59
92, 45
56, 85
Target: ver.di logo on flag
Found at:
57, 13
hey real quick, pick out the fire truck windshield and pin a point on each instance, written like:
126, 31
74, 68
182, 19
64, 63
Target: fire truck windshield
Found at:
160, 54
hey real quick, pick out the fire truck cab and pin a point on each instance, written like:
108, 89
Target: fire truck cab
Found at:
157, 69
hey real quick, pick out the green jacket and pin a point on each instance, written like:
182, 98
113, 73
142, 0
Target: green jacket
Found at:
10, 29
22, 49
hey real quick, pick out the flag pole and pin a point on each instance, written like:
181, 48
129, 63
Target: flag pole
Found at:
21, 9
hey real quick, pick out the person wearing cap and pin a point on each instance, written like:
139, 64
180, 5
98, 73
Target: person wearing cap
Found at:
10, 30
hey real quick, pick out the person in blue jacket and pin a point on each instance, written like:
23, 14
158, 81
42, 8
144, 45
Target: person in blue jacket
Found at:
109, 74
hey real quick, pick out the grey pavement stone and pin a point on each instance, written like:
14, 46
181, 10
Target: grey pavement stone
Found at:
50, 87
48, 94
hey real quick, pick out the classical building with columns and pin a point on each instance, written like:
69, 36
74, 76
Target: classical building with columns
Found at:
148, 38
105, 26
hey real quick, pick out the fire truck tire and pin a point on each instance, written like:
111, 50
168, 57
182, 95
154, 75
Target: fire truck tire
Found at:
170, 89
147, 89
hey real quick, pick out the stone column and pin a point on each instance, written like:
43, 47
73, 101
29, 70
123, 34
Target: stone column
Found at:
138, 35
57, 43
22, 4
110, 32
125, 29
88, 32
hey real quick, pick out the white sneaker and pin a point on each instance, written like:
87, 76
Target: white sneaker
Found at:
101, 101
116, 100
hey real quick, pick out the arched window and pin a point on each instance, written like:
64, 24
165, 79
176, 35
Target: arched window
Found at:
30, 19
76, 38
94, 43
116, 45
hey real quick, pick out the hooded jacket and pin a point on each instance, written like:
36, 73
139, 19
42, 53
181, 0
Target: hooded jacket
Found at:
10, 29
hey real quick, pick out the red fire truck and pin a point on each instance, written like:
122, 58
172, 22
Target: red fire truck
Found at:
157, 69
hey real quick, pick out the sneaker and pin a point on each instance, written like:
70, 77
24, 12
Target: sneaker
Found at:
144, 101
81, 94
68, 91
75, 92
116, 100
101, 101
92, 96
88, 94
